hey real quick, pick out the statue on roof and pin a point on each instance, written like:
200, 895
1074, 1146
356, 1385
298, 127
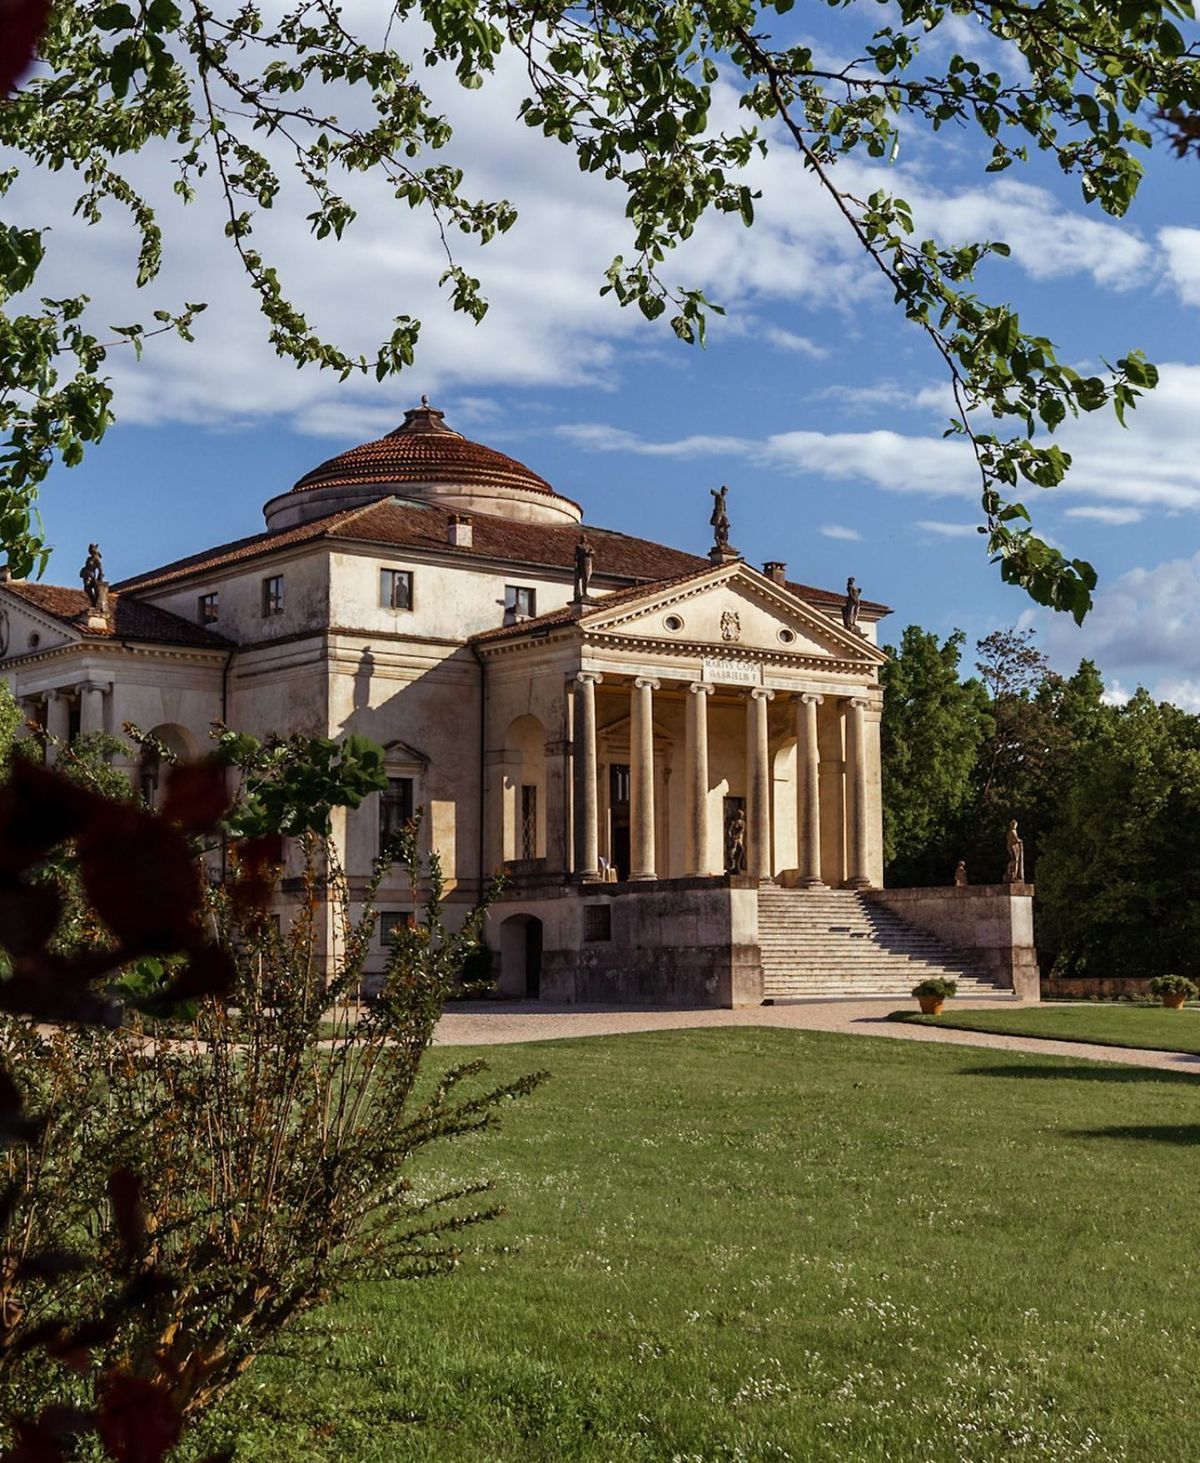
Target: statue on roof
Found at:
92, 574
585, 560
720, 517
851, 607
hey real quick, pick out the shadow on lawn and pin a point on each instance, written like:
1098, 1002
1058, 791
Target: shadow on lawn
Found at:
1088, 1072
1185, 1136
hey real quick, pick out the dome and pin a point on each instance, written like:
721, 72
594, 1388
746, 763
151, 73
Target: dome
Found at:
423, 459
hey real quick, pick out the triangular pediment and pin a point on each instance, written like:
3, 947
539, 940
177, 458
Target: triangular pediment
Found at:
730, 609
25, 629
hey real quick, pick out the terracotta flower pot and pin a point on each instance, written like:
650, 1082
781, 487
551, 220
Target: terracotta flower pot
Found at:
931, 1005
1174, 1001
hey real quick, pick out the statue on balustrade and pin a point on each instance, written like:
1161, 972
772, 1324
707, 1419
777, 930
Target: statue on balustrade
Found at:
1015, 872
851, 607
720, 517
585, 560
960, 874
92, 574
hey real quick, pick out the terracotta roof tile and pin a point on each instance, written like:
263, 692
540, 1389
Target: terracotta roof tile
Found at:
424, 450
131, 619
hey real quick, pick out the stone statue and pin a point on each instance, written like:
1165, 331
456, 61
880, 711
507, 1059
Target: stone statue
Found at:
92, 574
960, 874
850, 608
1015, 872
720, 517
735, 843
584, 563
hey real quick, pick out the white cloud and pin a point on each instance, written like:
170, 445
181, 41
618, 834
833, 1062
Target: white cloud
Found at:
946, 530
840, 531
1145, 625
1182, 248
1115, 517
788, 340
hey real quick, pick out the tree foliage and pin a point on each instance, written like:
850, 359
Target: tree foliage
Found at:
1119, 877
934, 724
630, 87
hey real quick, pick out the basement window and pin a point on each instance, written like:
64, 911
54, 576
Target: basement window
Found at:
597, 922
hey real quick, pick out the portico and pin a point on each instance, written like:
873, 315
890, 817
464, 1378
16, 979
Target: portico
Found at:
676, 740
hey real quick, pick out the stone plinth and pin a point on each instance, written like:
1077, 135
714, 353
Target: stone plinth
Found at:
990, 923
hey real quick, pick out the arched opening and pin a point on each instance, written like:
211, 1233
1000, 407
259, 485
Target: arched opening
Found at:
521, 957
523, 789
178, 744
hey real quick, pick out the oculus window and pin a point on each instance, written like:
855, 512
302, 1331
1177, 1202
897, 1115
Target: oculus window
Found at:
396, 589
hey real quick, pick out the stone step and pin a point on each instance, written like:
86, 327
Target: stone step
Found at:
828, 943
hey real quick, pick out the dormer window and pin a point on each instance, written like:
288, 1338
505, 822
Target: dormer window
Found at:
208, 608
272, 595
520, 603
396, 589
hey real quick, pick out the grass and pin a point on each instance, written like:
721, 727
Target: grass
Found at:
1153, 1028
756, 1245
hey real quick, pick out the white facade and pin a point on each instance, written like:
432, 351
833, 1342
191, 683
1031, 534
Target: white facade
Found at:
612, 735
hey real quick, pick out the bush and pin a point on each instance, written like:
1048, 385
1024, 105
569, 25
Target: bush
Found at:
1173, 985
936, 985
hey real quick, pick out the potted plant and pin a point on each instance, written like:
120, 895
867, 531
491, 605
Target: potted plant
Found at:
932, 993
1174, 990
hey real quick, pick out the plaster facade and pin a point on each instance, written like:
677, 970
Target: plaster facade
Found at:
600, 744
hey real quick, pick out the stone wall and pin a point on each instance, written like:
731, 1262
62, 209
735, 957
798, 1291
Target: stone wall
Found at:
992, 924
682, 943
1095, 988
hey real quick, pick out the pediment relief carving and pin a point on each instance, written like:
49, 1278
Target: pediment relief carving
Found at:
736, 608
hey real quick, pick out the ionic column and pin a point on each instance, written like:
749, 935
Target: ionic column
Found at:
856, 787
641, 779
808, 792
696, 780
587, 814
58, 720
758, 786
91, 708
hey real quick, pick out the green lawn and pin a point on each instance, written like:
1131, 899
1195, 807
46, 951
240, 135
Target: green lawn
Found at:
757, 1245
1152, 1027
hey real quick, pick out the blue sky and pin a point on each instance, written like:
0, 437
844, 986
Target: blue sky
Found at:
814, 401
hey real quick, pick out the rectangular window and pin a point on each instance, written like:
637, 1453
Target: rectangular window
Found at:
528, 821
208, 608
395, 808
597, 922
391, 920
272, 590
396, 589
519, 601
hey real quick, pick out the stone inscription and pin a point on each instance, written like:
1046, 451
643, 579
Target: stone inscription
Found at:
728, 672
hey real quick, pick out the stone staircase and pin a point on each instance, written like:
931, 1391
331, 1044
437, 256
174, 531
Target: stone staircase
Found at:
827, 943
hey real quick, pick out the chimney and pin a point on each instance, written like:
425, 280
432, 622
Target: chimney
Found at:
776, 570
5, 574
459, 531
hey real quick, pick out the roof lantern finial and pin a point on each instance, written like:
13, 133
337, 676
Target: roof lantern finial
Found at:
424, 400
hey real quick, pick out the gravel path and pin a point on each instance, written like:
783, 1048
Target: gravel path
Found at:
487, 1023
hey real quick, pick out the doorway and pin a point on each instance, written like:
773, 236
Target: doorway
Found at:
618, 817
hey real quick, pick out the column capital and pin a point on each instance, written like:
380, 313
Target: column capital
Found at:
642, 682
701, 688
810, 698
760, 693
860, 703
586, 677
